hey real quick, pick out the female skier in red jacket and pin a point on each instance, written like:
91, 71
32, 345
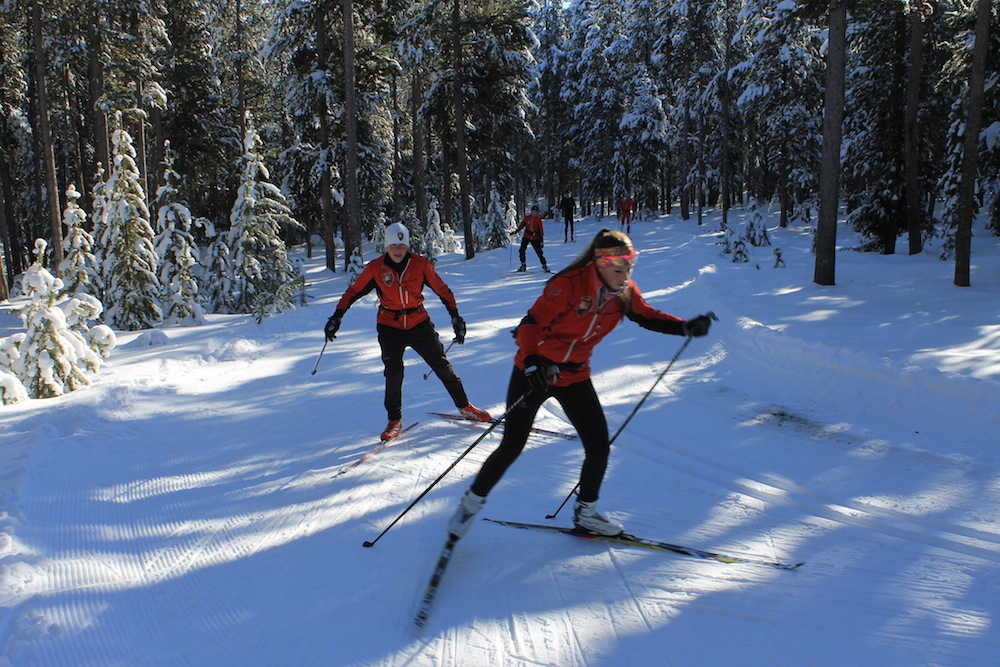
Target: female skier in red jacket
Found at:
398, 277
579, 306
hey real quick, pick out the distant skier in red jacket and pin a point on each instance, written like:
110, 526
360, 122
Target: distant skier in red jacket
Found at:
626, 208
534, 233
578, 307
398, 277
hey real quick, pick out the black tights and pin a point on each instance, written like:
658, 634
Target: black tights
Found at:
424, 340
580, 403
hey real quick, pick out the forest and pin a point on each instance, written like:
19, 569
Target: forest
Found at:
168, 152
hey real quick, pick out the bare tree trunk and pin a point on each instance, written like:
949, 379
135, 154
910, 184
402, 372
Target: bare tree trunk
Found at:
726, 166
326, 196
8, 229
397, 168
829, 172
461, 155
5, 237
970, 157
48, 154
419, 156
241, 85
96, 85
911, 137
352, 201
685, 163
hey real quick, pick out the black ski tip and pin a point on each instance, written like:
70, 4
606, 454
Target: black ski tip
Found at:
368, 543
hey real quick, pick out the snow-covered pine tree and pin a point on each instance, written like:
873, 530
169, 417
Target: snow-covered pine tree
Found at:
131, 286
99, 220
55, 355
11, 388
79, 266
176, 251
355, 266
217, 271
495, 222
264, 280
439, 238
780, 92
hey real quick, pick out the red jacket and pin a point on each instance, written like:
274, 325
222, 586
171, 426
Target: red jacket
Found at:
532, 226
568, 320
400, 290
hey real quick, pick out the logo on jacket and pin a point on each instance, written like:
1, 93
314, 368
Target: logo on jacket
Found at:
586, 303
387, 276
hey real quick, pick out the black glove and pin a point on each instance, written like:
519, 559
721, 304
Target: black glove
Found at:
538, 374
697, 326
459, 325
332, 326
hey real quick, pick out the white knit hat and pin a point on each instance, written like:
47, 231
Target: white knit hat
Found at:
397, 233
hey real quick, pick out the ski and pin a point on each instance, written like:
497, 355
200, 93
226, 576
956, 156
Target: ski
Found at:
382, 444
534, 429
435, 581
628, 540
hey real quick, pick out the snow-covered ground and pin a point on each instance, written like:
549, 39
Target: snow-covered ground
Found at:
186, 509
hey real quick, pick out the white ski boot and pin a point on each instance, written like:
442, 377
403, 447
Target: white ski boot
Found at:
468, 507
586, 518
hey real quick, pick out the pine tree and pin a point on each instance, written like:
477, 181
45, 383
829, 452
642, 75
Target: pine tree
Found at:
264, 280
355, 266
217, 278
130, 258
439, 238
176, 252
495, 222
55, 356
79, 268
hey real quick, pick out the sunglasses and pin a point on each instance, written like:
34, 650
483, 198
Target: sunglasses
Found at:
626, 261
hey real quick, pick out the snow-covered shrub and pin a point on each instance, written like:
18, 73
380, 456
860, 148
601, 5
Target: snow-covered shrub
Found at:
264, 280
55, 354
79, 268
129, 260
176, 252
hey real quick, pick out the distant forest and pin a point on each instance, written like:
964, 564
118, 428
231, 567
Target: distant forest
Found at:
883, 113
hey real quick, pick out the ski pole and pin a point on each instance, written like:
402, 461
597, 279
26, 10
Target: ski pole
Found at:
632, 414
496, 422
316, 365
428, 373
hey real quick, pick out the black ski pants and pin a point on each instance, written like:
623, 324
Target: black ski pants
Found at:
537, 244
583, 409
424, 340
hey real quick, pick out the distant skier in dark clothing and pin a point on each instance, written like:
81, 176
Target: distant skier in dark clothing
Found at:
568, 207
578, 307
534, 233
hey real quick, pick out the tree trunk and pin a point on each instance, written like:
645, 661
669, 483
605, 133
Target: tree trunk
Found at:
419, 156
970, 157
397, 138
461, 155
48, 154
911, 137
352, 201
326, 186
241, 86
5, 238
96, 87
684, 163
829, 172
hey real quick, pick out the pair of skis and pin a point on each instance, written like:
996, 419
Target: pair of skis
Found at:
534, 429
446, 415
625, 539
373, 451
